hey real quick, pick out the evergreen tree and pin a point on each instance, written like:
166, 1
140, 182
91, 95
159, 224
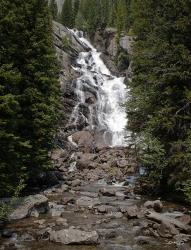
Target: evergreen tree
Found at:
159, 107
54, 9
76, 9
29, 92
67, 18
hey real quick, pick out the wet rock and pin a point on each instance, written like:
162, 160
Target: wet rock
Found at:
73, 236
106, 209
143, 240
130, 211
107, 233
107, 191
23, 210
163, 218
167, 230
87, 202
7, 233
156, 205
26, 237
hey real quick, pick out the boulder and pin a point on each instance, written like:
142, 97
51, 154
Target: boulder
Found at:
166, 219
83, 139
167, 230
131, 211
107, 191
74, 237
156, 205
24, 209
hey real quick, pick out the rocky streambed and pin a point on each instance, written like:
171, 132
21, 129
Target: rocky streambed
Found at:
94, 203
91, 210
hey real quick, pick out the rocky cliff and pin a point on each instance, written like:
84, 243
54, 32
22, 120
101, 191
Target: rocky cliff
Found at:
68, 48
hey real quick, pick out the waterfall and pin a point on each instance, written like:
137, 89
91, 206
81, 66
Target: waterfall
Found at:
101, 94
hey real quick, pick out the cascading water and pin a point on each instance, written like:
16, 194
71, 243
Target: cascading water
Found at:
104, 93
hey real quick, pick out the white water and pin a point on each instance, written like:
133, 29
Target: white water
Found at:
107, 114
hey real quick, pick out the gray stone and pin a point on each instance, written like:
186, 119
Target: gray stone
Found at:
87, 202
107, 191
156, 205
24, 209
74, 236
76, 183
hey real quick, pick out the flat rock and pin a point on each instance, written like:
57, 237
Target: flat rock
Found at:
74, 237
107, 191
24, 209
87, 202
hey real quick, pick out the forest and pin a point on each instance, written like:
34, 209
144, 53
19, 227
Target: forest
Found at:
52, 91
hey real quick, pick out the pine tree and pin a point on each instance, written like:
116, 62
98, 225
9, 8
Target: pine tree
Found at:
67, 18
54, 9
76, 9
29, 92
159, 107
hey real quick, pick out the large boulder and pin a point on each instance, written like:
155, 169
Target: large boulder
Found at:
74, 237
83, 139
25, 208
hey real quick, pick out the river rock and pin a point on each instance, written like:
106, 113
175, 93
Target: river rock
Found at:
23, 210
156, 205
106, 209
161, 218
107, 191
73, 236
130, 211
167, 230
87, 202
76, 183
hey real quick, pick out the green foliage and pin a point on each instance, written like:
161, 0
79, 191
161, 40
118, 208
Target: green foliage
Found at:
122, 60
53, 9
98, 14
28, 91
160, 89
66, 43
67, 17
